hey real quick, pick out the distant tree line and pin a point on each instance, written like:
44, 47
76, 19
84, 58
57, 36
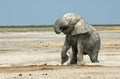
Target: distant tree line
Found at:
17, 26
105, 24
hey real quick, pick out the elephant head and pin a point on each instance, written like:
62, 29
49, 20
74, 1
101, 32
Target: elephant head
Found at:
71, 24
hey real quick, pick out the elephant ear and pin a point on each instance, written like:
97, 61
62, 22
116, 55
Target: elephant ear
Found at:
81, 27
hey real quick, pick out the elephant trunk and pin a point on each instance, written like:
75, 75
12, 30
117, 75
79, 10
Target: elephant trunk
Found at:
57, 30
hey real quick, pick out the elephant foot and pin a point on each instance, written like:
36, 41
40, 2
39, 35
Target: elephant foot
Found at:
64, 59
73, 61
69, 64
81, 63
95, 61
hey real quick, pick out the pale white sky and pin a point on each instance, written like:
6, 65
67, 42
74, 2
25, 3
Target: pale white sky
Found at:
45, 12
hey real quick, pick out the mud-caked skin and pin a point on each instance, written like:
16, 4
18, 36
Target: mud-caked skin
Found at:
81, 36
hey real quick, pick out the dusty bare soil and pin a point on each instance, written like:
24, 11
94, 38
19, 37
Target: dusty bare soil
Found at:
36, 55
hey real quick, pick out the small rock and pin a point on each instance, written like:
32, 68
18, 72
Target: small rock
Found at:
45, 74
30, 74
20, 74
40, 42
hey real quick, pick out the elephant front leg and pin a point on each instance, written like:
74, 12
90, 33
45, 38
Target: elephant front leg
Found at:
80, 54
64, 56
66, 47
74, 55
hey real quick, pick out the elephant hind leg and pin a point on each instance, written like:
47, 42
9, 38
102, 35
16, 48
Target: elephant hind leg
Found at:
94, 55
94, 58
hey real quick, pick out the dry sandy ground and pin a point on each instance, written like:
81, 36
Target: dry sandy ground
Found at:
36, 55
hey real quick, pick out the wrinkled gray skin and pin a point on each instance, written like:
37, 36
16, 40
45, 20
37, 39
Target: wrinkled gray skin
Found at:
80, 35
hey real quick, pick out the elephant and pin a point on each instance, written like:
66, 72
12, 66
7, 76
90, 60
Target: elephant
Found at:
80, 36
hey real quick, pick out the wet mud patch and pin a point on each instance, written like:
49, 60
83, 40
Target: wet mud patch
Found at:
46, 67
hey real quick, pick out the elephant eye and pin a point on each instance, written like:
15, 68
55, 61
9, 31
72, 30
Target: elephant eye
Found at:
63, 28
